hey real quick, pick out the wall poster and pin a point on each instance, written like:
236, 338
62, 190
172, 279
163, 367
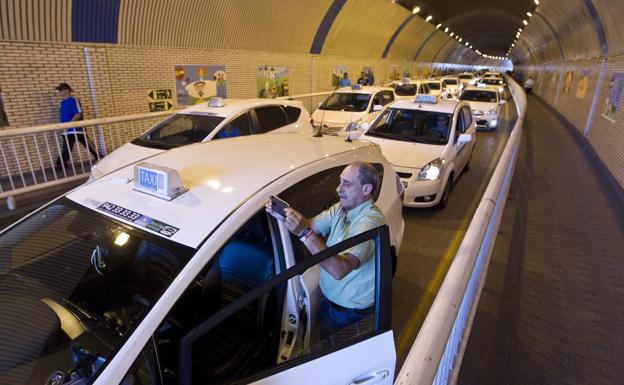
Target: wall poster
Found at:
196, 83
581, 88
338, 72
567, 81
615, 91
272, 81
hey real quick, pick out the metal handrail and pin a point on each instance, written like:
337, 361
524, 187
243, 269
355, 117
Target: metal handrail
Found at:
437, 352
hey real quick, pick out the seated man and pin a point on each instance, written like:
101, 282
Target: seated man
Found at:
441, 127
347, 280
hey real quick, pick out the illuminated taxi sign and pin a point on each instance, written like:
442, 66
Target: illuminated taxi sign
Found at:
159, 181
215, 101
356, 87
431, 99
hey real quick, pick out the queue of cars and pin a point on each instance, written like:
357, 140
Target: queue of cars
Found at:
165, 267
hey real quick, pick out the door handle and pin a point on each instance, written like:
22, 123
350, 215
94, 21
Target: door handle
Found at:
371, 378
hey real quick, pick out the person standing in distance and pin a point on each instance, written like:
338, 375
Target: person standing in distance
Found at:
70, 111
347, 280
344, 81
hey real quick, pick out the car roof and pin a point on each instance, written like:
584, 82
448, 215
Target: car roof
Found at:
233, 106
486, 88
443, 105
363, 90
219, 179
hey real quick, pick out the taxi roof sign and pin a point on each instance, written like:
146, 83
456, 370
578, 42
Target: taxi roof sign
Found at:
215, 101
356, 87
159, 181
430, 99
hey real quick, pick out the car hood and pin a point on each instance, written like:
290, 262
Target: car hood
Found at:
338, 118
482, 106
127, 154
407, 154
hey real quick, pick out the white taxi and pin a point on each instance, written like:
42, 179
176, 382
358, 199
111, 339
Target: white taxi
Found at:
453, 86
485, 104
494, 83
172, 271
408, 89
216, 119
436, 88
429, 141
467, 79
344, 111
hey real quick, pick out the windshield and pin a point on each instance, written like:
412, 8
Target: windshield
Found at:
451, 82
179, 130
434, 86
412, 126
73, 285
491, 81
406, 89
479, 96
465, 77
346, 102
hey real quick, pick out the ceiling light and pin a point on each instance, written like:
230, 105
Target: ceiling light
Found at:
452, 34
429, 18
466, 44
536, 2
460, 39
512, 44
439, 25
529, 14
470, 47
416, 10
525, 22
446, 29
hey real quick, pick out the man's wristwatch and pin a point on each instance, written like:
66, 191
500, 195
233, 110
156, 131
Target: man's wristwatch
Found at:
306, 234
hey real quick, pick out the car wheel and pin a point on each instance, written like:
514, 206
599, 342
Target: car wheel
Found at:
445, 194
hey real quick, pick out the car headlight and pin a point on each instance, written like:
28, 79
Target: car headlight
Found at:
432, 170
492, 111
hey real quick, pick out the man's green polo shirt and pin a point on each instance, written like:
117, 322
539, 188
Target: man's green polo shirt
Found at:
357, 289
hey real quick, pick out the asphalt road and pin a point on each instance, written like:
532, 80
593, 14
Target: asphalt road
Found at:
432, 237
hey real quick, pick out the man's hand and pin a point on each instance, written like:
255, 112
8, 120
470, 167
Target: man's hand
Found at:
295, 221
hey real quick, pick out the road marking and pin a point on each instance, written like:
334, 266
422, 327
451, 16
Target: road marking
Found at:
407, 337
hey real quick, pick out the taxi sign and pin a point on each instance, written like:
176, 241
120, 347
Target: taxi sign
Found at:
356, 87
431, 99
215, 101
159, 181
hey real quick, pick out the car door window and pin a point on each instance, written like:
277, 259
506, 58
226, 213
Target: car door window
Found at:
460, 126
293, 113
248, 259
240, 126
270, 118
387, 97
467, 114
225, 348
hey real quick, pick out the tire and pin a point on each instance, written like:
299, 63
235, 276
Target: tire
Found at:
445, 194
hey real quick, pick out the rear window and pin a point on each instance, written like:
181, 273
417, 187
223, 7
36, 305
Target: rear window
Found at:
293, 113
406, 89
451, 82
465, 76
434, 86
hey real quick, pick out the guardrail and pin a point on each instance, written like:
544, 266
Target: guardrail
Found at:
437, 352
28, 155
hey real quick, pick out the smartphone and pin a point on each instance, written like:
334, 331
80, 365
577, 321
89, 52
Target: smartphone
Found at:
278, 206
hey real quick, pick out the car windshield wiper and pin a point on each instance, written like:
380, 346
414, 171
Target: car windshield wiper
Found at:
151, 144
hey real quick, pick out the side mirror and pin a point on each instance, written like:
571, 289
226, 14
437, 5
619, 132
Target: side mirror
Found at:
365, 126
377, 107
501, 102
320, 104
464, 138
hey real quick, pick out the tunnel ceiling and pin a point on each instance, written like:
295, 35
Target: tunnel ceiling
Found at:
489, 25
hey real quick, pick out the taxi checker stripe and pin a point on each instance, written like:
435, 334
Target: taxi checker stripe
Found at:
381, 235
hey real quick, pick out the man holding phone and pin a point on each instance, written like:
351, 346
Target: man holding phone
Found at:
347, 280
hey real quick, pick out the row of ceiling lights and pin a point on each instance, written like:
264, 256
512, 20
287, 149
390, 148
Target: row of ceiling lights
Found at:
525, 22
416, 10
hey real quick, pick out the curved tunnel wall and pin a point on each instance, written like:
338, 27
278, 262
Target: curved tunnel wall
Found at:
131, 47
574, 50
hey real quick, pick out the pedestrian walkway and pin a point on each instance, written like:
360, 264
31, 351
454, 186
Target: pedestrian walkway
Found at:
552, 309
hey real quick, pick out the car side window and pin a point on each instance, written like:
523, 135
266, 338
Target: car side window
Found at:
317, 193
387, 97
460, 128
467, 118
270, 118
240, 126
248, 259
293, 113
